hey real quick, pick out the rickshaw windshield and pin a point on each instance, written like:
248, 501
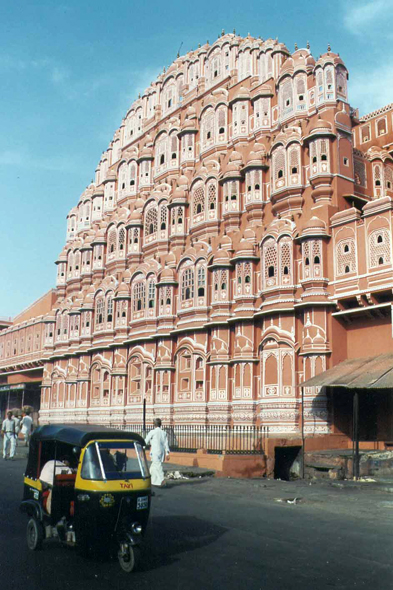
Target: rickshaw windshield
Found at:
114, 460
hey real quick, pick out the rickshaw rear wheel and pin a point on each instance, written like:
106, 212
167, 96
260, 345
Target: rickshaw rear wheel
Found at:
129, 559
34, 534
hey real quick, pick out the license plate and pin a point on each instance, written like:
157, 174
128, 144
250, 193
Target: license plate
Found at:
142, 503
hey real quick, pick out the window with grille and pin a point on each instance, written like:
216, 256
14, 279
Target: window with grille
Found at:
163, 217
139, 296
379, 248
151, 221
109, 309
187, 291
201, 281
346, 256
152, 293
100, 307
198, 201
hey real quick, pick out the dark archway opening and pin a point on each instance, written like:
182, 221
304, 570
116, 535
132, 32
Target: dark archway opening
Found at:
287, 462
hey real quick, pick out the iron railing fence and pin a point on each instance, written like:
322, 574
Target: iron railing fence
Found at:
241, 440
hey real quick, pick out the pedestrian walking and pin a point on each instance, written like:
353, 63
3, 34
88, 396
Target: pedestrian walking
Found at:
159, 451
17, 421
26, 427
9, 436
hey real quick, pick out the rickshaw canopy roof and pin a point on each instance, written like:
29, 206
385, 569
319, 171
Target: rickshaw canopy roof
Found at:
79, 435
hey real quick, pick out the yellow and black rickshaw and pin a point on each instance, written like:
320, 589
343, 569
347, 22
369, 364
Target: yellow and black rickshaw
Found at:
98, 494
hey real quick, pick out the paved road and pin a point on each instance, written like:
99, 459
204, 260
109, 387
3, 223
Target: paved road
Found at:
225, 534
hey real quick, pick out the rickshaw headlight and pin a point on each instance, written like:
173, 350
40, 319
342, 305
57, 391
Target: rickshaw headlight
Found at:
136, 528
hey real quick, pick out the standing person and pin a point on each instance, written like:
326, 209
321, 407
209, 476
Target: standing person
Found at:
26, 426
17, 421
159, 450
9, 436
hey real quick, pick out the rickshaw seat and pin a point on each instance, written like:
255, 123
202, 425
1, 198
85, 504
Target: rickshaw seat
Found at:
65, 479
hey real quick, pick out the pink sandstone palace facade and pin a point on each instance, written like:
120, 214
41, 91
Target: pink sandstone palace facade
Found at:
236, 241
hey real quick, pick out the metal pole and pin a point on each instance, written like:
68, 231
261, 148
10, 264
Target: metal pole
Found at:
303, 470
144, 418
355, 453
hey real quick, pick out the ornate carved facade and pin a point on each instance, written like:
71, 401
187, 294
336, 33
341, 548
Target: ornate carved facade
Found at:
239, 219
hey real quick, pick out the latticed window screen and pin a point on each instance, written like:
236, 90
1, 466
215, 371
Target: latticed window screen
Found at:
212, 196
139, 296
224, 280
100, 307
208, 127
109, 309
389, 177
174, 144
316, 252
300, 85
279, 164
247, 272
221, 120
285, 261
324, 151
270, 262
187, 291
360, 172
346, 256
122, 238
152, 292
112, 241
163, 217
294, 163
379, 247
377, 175
201, 277
151, 221
199, 200
132, 174
287, 96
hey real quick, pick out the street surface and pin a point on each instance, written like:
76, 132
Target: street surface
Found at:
223, 534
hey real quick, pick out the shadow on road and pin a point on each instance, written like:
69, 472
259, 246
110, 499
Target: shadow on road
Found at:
169, 536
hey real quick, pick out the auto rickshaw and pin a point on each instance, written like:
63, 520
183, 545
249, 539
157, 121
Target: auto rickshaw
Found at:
99, 498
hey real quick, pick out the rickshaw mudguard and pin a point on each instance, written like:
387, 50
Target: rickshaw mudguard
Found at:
32, 508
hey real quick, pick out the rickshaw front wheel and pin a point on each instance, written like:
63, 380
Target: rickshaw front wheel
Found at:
128, 557
34, 534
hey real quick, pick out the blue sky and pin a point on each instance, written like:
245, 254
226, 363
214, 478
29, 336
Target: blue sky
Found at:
70, 71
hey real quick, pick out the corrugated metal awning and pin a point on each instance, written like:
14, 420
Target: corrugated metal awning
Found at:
375, 372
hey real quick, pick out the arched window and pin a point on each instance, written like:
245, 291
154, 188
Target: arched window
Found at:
99, 312
151, 293
201, 281
187, 290
198, 203
122, 239
109, 309
138, 295
151, 221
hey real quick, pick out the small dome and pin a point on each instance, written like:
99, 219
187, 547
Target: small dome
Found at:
167, 274
179, 195
135, 216
221, 256
122, 289
314, 226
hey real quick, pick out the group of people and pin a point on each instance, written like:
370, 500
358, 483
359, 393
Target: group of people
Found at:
11, 427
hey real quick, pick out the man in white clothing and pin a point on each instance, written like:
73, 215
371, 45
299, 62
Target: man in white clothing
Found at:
26, 427
47, 476
159, 450
9, 436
